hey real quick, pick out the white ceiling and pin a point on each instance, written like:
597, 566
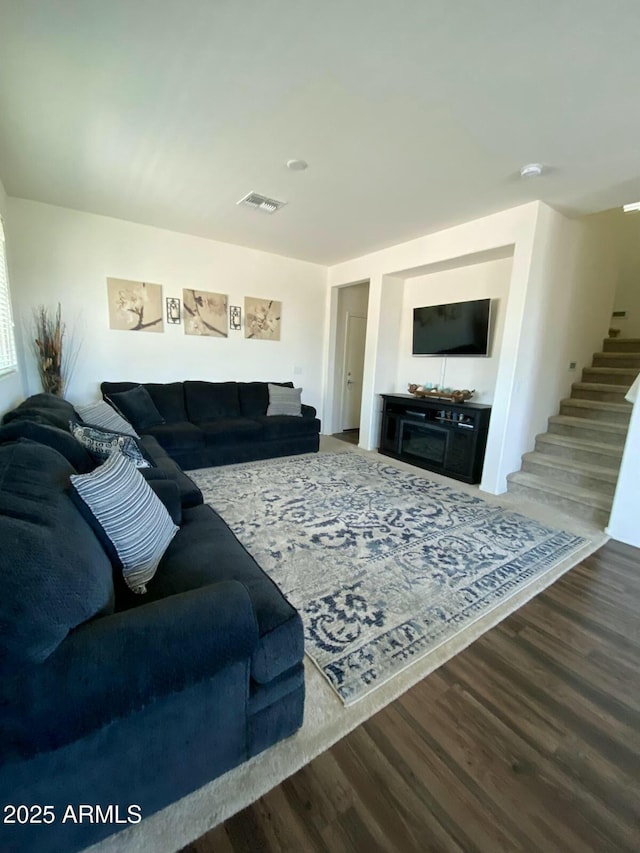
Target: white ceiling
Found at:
414, 115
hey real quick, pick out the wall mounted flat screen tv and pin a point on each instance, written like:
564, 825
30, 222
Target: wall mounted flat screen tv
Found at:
457, 328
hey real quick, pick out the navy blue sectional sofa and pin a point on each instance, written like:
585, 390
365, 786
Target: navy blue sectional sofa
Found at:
120, 701
216, 423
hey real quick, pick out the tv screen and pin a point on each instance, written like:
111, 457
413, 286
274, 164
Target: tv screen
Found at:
457, 328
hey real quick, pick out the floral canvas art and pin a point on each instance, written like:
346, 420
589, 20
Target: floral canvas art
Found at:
135, 306
205, 313
262, 318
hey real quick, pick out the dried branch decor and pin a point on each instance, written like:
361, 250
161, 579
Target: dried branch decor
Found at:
49, 338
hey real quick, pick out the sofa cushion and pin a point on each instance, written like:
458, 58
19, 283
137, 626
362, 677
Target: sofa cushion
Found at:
284, 426
254, 397
100, 443
132, 519
57, 439
169, 400
178, 436
284, 401
231, 431
103, 415
138, 408
166, 468
45, 409
192, 561
207, 401
169, 493
55, 575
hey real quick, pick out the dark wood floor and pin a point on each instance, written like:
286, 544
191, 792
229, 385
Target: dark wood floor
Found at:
527, 741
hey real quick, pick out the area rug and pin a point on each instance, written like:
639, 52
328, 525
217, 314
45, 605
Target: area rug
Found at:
384, 565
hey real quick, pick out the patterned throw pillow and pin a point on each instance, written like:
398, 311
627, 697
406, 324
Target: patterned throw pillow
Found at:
126, 511
101, 442
103, 415
284, 401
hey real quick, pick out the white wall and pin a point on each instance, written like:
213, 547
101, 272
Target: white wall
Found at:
559, 301
627, 229
65, 256
11, 385
625, 512
478, 281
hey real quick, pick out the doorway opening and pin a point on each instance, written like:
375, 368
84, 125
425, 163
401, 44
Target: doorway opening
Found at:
351, 333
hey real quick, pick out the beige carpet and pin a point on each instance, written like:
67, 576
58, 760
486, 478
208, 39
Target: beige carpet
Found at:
326, 718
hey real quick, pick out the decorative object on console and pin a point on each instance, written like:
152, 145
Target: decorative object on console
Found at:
137, 539
100, 443
284, 401
134, 306
235, 317
441, 393
262, 318
206, 313
173, 310
55, 364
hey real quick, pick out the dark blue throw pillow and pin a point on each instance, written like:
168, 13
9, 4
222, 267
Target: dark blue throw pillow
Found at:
138, 408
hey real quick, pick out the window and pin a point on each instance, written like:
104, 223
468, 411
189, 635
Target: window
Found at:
8, 360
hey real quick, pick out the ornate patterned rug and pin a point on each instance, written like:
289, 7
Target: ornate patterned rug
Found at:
384, 565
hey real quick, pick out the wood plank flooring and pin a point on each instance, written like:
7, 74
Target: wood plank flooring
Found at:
527, 741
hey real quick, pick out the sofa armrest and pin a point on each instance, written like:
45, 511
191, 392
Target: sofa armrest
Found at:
114, 665
308, 411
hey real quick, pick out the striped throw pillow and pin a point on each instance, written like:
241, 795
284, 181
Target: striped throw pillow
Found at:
132, 518
103, 415
284, 401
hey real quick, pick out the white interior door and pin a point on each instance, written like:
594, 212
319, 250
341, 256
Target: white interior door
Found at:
355, 336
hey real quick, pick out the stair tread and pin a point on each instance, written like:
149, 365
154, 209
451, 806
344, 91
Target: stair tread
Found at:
613, 371
580, 444
604, 387
599, 471
600, 405
588, 423
590, 497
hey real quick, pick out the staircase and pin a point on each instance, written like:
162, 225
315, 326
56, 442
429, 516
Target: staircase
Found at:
575, 463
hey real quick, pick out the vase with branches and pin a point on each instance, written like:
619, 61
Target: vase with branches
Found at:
52, 354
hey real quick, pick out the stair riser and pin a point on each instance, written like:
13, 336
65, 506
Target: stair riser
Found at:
579, 455
599, 396
575, 508
616, 360
609, 417
563, 475
621, 345
610, 377
587, 433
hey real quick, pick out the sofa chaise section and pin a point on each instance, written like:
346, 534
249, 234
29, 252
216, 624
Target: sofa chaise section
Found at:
112, 698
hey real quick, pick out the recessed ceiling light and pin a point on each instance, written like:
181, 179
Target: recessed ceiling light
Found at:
297, 165
531, 170
629, 207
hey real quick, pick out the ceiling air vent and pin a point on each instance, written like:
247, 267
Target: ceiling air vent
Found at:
261, 202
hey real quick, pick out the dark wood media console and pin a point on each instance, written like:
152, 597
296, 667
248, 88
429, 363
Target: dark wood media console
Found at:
449, 438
